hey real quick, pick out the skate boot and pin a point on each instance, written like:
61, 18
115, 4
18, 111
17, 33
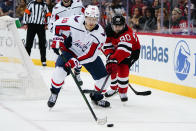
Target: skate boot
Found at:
44, 64
97, 99
52, 100
110, 93
123, 97
102, 103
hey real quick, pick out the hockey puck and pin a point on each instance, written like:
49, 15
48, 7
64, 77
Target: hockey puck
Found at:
110, 125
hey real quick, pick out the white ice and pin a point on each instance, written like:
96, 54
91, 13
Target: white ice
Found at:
160, 111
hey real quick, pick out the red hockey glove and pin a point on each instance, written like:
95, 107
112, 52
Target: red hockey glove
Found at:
56, 44
112, 66
72, 63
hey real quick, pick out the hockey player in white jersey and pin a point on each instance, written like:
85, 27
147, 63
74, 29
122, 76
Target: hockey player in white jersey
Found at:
67, 8
80, 38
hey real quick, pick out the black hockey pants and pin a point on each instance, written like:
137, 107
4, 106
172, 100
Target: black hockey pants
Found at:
32, 30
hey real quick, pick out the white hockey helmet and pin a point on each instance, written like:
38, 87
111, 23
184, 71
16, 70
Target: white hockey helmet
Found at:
92, 11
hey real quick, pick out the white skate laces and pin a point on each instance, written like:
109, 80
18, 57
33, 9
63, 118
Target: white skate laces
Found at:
53, 98
102, 103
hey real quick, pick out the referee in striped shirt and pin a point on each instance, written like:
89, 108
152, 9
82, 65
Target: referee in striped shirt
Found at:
36, 18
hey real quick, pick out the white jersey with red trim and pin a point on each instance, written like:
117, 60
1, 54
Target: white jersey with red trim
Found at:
60, 11
85, 44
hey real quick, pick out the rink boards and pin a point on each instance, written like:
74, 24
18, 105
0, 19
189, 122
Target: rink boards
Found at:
167, 62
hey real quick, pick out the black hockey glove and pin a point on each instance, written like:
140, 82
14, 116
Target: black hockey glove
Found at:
68, 42
134, 57
112, 66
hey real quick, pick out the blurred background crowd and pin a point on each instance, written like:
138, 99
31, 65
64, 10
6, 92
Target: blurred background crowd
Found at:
154, 16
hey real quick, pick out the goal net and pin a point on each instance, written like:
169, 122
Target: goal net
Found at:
18, 76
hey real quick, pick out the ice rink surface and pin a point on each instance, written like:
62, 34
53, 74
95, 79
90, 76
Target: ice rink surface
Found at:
160, 111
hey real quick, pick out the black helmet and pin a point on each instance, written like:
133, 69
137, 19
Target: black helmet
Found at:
118, 20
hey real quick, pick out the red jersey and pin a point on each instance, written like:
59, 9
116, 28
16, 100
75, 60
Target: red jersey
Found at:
181, 27
120, 45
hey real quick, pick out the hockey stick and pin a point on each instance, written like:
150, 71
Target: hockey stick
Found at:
102, 87
143, 93
99, 121
87, 91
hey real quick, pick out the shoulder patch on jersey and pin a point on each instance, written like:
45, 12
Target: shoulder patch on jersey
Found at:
76, 19
65, 20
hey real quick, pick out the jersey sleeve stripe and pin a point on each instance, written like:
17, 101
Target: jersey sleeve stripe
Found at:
58, 29
108, 46
124, 47
127, 47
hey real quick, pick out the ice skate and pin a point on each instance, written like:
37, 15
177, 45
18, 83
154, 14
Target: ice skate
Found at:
123, 97
52, 100
102, 103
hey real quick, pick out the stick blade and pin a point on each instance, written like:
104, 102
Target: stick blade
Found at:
102, 121
145, 93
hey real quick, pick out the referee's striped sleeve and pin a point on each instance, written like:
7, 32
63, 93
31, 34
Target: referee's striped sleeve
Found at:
27, 13
48, 15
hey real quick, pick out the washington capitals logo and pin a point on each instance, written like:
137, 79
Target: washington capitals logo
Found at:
181, 60
76, 18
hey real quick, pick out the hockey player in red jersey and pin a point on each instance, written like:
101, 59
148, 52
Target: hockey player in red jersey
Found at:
122, 49
80, 39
